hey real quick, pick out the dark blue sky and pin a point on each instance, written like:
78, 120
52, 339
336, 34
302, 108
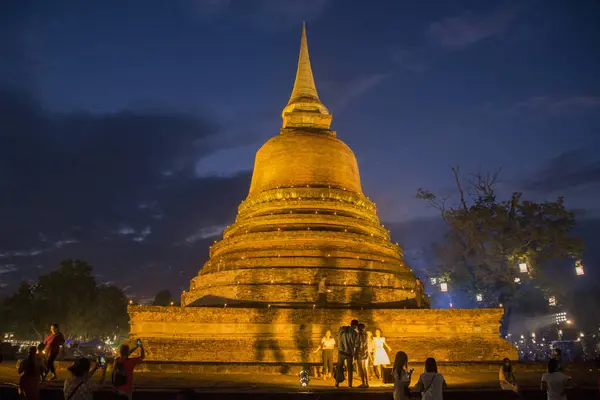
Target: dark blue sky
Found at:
128, 128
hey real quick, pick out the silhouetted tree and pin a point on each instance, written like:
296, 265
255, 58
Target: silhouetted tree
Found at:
162, 298
488, 238
70, 297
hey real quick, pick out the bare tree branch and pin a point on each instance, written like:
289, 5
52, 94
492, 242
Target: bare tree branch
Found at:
455, 171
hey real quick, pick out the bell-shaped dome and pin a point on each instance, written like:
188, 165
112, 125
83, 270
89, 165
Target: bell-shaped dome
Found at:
305, 219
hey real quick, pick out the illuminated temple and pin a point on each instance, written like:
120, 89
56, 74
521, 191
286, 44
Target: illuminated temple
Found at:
306, 218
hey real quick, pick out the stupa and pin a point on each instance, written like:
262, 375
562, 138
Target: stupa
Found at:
306, 218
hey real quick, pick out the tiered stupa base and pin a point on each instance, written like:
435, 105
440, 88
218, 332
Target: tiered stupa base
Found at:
228, 335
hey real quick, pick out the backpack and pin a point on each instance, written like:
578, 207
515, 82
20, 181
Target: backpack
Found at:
119, 374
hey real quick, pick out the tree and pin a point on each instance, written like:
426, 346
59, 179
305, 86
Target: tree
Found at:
488, 238
162, 298
69, 297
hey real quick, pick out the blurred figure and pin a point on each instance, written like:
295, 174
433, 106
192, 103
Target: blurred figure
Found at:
30, 369
401, 377
507, 377
555, 383
78, 386
323, 290
327, 345
42, 358
431, 385
371, 350
419, 291
52, 347
362, 355
557, 355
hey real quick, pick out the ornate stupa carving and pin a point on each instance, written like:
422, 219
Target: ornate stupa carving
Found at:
305, 217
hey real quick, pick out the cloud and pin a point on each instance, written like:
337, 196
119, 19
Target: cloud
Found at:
206, 233
542, 107
469, 28
409, 61
92, 186
262, 14
569, 170
343, 93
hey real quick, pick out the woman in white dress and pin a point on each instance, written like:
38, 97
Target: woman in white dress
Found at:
380, 355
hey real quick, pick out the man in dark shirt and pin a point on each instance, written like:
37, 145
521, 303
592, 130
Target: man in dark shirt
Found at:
52, 347
348, 343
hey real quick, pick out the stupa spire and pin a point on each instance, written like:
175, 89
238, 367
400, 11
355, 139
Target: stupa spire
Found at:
304, 86
305, 110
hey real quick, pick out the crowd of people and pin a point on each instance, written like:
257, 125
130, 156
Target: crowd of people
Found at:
359, 350
35, 369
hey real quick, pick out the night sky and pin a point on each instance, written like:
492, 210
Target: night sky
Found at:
128, 128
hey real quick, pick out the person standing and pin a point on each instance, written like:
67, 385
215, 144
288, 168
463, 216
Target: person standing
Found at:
557, 355
507, 377
323, 290
419, 291
78, 386
401, 376
30, 369
371, 350
381, 357
362, 355
327, 345
348, 341
431, 385
555, 383
124, 365
52, 347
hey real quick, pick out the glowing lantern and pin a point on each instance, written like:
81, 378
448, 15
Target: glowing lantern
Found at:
444, 287
552, 301
479, 297
517, 280
523, 268
433, 280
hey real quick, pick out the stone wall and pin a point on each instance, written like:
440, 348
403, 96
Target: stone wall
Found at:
289, 336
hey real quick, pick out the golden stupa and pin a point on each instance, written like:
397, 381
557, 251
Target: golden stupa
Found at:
306, 218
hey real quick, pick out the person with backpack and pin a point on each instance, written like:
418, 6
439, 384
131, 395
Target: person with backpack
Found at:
122, 376
431, 384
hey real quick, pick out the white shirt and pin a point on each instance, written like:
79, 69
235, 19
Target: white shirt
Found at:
556, 383
434, 383
327, 344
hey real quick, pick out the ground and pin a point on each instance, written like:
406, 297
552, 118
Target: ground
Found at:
272, 382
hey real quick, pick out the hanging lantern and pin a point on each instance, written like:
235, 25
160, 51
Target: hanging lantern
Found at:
523, 268
579, 268
433, 280
444, 287
479, 297
517, 280
552, 301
